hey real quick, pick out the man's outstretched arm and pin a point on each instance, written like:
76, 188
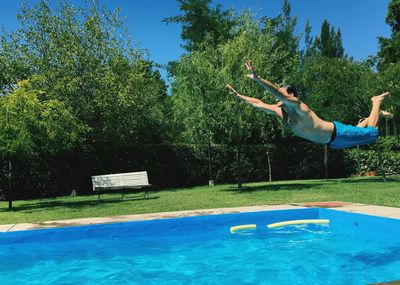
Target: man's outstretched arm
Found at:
256, 103
281, 95
246, 99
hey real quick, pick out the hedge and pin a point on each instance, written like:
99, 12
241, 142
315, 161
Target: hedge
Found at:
177, 165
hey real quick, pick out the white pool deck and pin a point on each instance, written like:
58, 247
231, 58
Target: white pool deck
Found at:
388, 212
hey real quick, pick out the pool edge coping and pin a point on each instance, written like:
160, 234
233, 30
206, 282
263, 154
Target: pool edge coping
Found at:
381, 211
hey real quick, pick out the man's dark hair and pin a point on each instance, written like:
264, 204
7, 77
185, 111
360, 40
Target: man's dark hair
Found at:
291, 89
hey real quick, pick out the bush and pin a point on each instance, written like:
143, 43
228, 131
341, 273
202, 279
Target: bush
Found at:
369, 158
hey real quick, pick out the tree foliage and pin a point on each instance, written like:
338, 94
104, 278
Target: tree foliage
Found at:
202, 104
390, 47
389, 61
338, 89
73, 83
329, 43
84, 58
202, 24
32, 123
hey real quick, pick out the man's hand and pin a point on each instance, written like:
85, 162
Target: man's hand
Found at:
252, 75
230, 87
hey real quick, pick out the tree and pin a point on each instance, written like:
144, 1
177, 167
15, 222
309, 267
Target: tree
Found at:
282, 29
201, 23
389, 61
132, 110
309, 49
389, 81
83, 58
30, 123
202, 106
390, 47
338, 89
13, 65
329, 43
202, 26
318, 51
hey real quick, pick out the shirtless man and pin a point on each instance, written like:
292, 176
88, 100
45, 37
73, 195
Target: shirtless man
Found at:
306, 124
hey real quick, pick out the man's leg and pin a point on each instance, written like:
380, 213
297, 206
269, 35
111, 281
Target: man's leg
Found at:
363, 123
383, 114
373, 119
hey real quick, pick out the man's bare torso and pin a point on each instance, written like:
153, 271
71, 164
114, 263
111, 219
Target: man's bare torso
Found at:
305, 123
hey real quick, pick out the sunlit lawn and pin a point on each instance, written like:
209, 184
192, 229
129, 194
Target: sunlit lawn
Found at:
358, 190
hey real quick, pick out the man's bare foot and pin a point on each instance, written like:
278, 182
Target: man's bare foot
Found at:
379, 98
385, 114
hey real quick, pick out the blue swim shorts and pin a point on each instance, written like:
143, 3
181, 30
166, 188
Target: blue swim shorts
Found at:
347, 136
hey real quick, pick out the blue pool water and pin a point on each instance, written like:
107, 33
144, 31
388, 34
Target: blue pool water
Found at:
352, 249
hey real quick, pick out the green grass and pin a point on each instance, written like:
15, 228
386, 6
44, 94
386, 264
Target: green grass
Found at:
357, 190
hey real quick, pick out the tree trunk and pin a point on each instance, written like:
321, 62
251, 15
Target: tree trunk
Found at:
387, 129
210, 179
378, 149
269, 167
326, 161
358, 161
9, 190
239, 168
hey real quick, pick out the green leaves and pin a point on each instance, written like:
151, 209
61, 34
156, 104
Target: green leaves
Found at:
329, 43
338, 89
389, 52
19, 110
202, 25
82, 58
390, 81
203, 107
31, 124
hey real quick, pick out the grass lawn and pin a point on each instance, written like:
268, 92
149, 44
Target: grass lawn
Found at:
358, 190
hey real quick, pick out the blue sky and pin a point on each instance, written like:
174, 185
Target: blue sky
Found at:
361, 21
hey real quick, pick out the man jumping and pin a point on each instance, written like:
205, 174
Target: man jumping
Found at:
306, 124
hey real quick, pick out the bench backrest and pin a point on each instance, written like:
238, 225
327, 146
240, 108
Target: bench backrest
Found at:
129, 179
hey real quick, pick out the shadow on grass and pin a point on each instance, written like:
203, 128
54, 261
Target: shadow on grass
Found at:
31, 207
310, 185
275, 187
376, 179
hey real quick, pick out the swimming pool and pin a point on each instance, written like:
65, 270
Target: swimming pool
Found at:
352, 249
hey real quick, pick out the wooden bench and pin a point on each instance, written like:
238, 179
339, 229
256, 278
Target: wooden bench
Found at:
121, 181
